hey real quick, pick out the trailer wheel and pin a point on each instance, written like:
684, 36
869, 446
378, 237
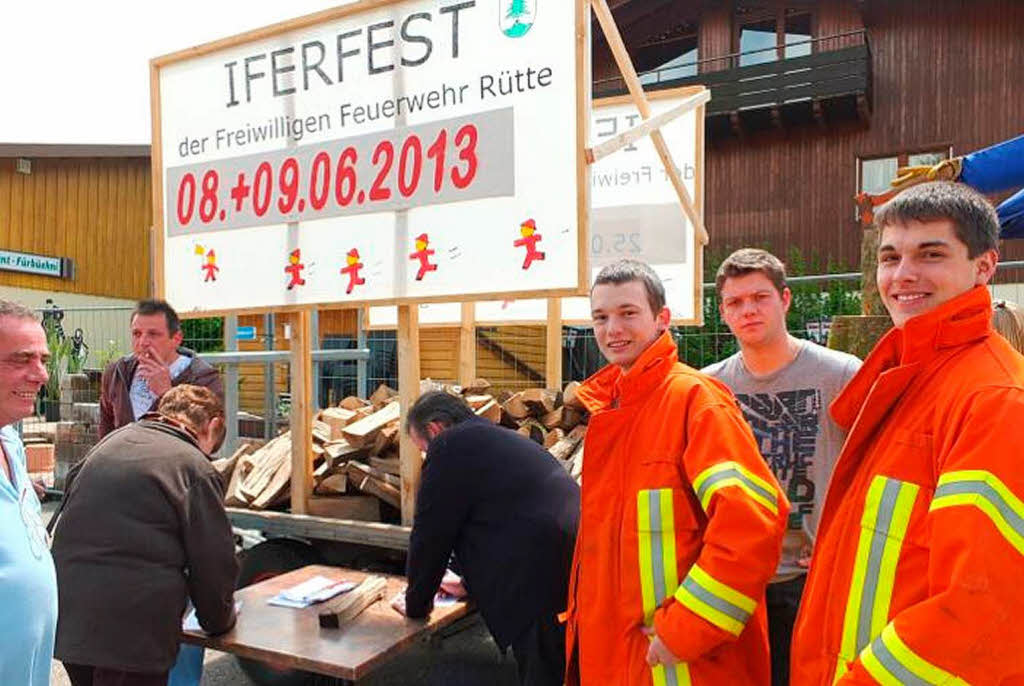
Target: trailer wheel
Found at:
269, 559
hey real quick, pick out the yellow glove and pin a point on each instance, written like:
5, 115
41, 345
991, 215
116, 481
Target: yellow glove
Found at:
946, 170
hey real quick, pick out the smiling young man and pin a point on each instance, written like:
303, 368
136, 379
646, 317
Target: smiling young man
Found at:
917, 569
784, 386
681, 520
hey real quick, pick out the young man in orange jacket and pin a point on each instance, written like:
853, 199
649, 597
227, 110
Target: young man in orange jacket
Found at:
682, 521
916, 574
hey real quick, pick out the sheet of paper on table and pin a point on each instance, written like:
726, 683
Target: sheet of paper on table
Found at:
315, 590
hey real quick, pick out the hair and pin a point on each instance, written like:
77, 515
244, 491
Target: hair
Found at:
10, 308
148, 307
436, 406
626, 271
1008, 321
193, 406
974, 219
750, 261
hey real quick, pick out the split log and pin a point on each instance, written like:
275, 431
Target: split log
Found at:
515, 408
475, 402
386, 437
553, 418
566, 447
277, 486
363, 432
368, 483
342, 609
332, 484
569, 395
382, 396
478, 387
540, 401
553, 437
321, 431
225, 467
232, 495
389, 465
341, 451
492, 411
352, 403
337, 418
572, 417
266, 463
533, 430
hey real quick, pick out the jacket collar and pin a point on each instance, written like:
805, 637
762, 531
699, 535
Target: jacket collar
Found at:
610, 388
964, 319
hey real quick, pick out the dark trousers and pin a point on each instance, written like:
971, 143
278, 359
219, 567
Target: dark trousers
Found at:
783, 601
87, 675
540, 653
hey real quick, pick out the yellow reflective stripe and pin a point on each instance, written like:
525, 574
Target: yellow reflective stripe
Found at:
889, 660
840, 670
643, 522
985, 491
725, 474
723, 606
676, 675
884, 523
668, 542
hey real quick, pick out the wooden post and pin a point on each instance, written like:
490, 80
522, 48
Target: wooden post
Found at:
410, 459
553, 347
302, 411
467, 344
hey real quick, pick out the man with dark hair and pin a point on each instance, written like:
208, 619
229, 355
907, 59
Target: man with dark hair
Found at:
917, 568
508, 510
142, 530
681, 519
134, 384
784, 386
28, 587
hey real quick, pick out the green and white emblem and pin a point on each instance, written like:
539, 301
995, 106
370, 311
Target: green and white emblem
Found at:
516, 16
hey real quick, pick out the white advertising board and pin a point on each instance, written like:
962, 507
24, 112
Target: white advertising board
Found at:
635, 213
382, 152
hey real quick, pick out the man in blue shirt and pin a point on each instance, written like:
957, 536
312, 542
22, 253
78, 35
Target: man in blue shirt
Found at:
28, 594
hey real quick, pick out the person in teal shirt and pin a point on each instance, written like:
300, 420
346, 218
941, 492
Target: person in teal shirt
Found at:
28, 583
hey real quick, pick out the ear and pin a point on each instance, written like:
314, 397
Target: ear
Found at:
787, 299
178, 336
664, 318
985, 265
434, 428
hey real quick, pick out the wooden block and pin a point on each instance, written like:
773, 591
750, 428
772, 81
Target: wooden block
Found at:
225, 466
332, 484
382, 396
321, 431
492, 411
341, 451
337, 418
277, 485
572, 417
565, 448
342, 609
552, 419
362, 508
576, 463
569, 395
477, 401
386, 437
515, 408
266, 464
360, 477
477, 387
540, 401
362, 433
232, 494
388, 465
352, 403
533, 430
553, 437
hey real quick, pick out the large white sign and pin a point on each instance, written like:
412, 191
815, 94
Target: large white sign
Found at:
636, 213
420, 150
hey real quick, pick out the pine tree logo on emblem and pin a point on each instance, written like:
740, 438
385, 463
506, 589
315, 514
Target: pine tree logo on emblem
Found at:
517, 16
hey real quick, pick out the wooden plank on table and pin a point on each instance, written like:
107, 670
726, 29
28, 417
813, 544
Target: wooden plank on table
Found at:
340, 610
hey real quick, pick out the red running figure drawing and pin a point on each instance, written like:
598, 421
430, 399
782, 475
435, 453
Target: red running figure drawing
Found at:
352, 267
423, 255
294, 270
529, 240
210, 266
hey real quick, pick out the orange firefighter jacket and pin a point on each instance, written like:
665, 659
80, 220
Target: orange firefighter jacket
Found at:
681, 529
918, 571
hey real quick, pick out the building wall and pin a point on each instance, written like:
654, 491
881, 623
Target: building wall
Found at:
97, 211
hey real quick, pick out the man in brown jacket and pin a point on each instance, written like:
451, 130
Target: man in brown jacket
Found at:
142, 530
133, 385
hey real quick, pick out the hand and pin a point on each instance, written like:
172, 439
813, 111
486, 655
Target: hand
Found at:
658, 653
451, 585
398, 602
155, 372
40, 488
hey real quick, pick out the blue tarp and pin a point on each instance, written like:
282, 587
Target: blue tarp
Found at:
1000, 168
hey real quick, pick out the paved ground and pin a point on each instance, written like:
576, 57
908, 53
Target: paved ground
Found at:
467, 658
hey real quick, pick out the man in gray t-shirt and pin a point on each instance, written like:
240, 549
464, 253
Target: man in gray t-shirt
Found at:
784, 387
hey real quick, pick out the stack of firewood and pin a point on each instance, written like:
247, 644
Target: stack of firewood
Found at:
355, 446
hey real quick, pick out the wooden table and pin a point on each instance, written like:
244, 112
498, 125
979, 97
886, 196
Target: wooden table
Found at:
289, 638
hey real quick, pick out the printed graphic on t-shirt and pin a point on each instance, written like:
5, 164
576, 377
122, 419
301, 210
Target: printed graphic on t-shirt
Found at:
785, 425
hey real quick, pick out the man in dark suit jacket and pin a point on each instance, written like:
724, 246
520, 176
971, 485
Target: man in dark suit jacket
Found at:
509, 511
